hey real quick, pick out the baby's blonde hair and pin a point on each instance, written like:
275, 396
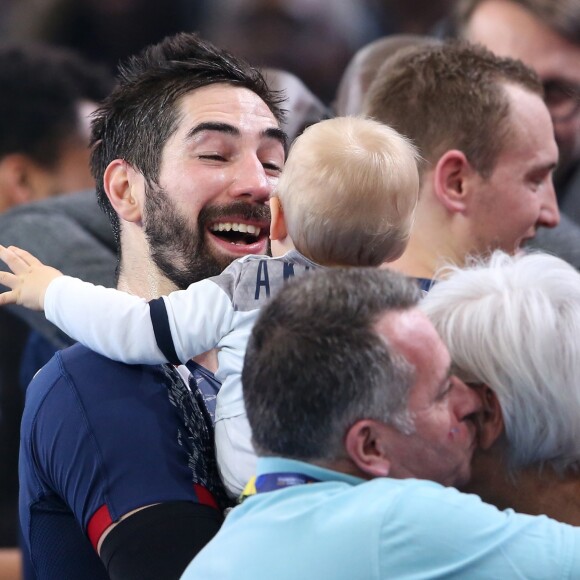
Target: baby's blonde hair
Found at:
349, 191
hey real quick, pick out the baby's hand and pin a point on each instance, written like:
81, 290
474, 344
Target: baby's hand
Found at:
29, 280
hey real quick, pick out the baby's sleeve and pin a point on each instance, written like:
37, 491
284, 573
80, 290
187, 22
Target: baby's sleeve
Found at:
189, 322
108, 321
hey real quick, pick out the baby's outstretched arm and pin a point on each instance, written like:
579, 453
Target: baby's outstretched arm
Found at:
28, 281
116, 324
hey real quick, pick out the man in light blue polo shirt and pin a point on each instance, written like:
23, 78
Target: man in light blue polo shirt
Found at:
360, 428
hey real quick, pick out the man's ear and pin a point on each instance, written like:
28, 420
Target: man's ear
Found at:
491, 424
451, 177
124, 187
364, 446
278, 229
15, 180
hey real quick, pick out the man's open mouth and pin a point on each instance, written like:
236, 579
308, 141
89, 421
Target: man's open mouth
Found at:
237, 233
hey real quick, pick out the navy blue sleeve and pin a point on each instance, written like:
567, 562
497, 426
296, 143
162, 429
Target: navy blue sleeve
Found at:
100, 439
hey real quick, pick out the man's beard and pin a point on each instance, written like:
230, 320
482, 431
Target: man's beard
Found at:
179, 250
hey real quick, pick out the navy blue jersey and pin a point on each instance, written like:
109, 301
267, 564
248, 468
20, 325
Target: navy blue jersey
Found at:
99, 439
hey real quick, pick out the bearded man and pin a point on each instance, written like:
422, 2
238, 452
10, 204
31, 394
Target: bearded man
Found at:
117, 468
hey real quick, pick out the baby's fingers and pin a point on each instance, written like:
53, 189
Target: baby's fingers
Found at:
8, 279
15, 262
25, 256
8, 297
18, 260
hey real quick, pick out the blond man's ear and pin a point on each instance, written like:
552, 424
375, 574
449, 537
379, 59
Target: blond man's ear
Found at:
452, 175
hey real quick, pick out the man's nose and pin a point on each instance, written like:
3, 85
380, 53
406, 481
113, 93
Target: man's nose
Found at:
549, 212
252, 181
467, 400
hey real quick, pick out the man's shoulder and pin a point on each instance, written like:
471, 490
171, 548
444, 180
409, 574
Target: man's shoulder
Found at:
416, 502
451, 530
79, 362
386, 528
383, 498
418, 499
364, 502
83, 374
349, 516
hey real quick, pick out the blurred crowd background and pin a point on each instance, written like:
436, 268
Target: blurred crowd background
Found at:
314, 39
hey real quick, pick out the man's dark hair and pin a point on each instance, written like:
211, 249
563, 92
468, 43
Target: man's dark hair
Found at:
450, 96
40, 89
136, 120
315, 363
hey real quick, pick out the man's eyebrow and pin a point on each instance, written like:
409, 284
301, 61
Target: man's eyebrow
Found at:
213, 126
544, 168
550, 166
271, 133
278, 134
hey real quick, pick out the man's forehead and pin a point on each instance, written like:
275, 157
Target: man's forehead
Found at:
510, 30
405, 329
412, 335
226, 103
531, 134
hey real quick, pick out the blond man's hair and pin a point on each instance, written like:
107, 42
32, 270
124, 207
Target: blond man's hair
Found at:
450, 96
349, 191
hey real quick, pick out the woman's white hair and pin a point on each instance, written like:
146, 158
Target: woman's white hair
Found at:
513, 323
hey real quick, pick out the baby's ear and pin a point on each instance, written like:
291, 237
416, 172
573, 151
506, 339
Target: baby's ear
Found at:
125, 189
278, 229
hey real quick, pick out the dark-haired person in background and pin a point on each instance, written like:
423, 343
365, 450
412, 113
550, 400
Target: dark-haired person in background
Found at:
46, 96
